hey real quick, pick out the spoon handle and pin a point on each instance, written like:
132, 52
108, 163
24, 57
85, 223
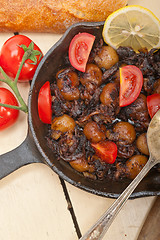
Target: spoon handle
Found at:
98, 230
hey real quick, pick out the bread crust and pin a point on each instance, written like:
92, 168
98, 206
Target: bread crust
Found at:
52, 16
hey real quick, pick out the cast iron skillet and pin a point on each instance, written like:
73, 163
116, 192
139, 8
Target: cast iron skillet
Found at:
34, 148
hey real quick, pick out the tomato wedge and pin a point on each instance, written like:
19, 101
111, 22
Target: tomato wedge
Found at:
153, 104
44, 103
79, 50
106, 150
131, 82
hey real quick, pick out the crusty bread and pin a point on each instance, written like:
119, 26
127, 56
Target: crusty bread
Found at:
52, 15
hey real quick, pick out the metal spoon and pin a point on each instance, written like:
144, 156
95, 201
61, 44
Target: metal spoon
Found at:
98, 230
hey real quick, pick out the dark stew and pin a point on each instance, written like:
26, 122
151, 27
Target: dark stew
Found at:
89, 129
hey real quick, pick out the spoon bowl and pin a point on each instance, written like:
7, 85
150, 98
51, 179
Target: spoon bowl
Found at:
98, 230
153, 138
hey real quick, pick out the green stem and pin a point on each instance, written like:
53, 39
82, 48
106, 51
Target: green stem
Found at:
24, 58
13, 85
12, 106
29, 53
24, 107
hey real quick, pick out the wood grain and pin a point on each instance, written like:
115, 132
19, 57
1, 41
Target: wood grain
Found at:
150, 229
32, 203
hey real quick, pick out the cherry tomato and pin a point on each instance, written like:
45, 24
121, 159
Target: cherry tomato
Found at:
44, 103
79, 50
153, 104
106, 150
8, 116
11, 57
131, 82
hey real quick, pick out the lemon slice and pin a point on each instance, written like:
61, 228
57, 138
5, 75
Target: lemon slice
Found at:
132, 26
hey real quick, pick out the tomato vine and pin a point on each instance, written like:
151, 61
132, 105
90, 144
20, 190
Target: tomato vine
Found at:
29, 53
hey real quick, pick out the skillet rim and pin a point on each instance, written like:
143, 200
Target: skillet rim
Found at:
135, 194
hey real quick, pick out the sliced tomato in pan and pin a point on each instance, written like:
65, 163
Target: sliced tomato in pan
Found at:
106, 150
153, 104
131, 82
79, 50
44, 103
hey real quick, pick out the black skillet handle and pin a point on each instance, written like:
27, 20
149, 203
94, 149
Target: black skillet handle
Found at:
25, 154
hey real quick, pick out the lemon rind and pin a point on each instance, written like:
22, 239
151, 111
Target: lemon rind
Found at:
123, 10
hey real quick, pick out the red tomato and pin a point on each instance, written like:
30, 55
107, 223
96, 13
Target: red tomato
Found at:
79, 50
106, 150
8, 116
11, 57
44, 103
153, 104
131, 82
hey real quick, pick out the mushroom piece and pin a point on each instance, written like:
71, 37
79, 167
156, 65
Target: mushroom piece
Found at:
109, 98
106, 57
137, 112
67, 82
81, 165
61, 125
93, 74
93, 132
125, 132
122, 132
156, 87
142, 144
134, 165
